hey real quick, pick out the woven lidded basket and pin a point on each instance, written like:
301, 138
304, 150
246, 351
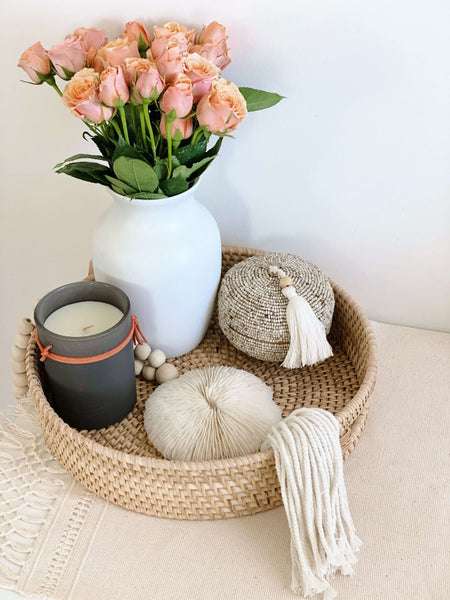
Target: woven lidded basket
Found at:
252, 309
119, 463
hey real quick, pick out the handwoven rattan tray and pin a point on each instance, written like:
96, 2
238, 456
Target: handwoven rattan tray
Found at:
119, 463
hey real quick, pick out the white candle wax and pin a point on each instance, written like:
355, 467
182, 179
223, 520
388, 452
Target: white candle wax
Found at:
83, 318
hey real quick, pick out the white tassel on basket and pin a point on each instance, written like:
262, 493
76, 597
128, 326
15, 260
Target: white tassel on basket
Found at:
309, 465
309, 344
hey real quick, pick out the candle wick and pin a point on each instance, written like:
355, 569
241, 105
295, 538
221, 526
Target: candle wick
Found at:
88, 327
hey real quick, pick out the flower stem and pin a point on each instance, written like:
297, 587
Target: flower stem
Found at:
149, 127
169, 147
124, 124
144, 135
116, 127
51, 82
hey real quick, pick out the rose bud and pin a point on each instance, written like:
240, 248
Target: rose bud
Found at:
178, 97
113, 87
68, 56
145, 71
91, 38
34, 61
115, 53
212, 44
134, 30
179, 127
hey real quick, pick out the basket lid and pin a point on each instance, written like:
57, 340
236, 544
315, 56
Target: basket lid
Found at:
252, 310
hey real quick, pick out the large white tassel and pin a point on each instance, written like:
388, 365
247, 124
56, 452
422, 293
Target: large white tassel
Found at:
309, 465
309, 344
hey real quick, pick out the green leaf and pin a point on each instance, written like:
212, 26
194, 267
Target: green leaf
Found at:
174, 186
126, 190
78, 156
87, 171
147, 196
161, 168
142, 46
136, 173
118, 190
214, 151
187, 155
68, 74
258, 99
124, 149
105, 147
185, 172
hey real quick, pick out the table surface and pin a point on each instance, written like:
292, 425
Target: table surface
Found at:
399, 493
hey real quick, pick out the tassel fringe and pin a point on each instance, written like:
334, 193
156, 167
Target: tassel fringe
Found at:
310, 470
309, 344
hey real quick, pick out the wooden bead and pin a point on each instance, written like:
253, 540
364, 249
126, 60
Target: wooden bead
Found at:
138, 366
18, 353
20, 390
20, 379
285, 282
21, 340
156, 358
18, 366
148, 373
142, 351
25, 326
166, 372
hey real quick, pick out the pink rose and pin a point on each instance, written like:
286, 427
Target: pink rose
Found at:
182, 126
33, 61
172, 28
90, 38
216, 53
134, 29
162, 44
144, 78
81, 96
201, 72
212, 44
115, 53
178, 97
113, 87
223, 109
214, 33
169, 62
69, 55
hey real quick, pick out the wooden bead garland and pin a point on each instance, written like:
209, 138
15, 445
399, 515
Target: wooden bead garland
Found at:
24, 329
157, 358
151, 364
142, 351
166, 372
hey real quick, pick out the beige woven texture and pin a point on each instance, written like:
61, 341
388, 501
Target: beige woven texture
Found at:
119, 463
252, 309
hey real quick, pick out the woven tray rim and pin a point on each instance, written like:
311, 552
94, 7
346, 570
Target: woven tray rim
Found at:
345, 416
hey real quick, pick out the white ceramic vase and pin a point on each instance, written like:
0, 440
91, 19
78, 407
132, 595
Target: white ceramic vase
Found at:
166, 256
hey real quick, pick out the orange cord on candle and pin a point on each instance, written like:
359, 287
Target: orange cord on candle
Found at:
135, 333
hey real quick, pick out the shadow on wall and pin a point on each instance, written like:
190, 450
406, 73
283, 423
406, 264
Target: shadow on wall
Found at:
328, 257
230, 210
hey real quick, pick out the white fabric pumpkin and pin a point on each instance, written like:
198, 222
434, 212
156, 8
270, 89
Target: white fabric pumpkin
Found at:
210, 413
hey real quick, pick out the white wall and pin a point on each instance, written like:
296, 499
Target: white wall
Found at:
350, 171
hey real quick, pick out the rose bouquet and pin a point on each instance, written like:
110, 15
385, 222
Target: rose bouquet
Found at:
150, 102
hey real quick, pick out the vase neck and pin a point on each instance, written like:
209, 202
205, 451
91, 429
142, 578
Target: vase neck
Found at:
163, 203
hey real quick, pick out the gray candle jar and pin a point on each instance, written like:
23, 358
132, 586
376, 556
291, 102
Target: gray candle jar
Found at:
96, 394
